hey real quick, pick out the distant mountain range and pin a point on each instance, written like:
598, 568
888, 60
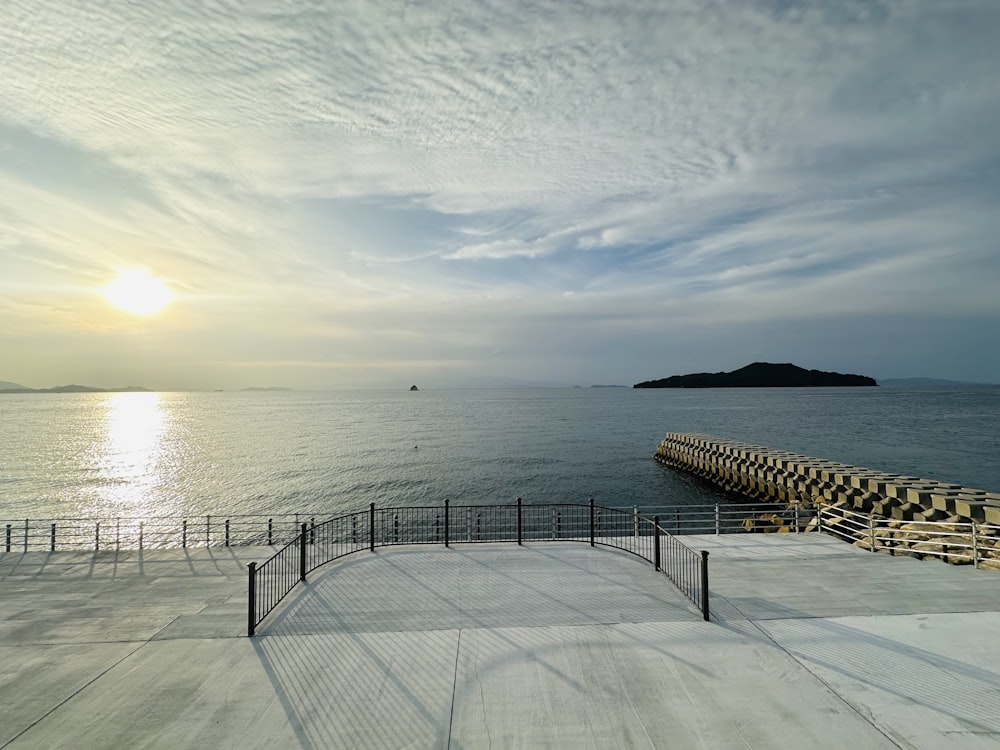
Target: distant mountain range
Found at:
761, 375
893, 382
8, 387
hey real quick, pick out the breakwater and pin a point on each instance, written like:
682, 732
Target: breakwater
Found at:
874, 510
780, 476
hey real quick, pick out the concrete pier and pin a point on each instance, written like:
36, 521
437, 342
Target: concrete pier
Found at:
780, 476
547, 645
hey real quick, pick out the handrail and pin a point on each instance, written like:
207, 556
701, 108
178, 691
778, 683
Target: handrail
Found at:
955, 542
219, 529
149, 532
319, 544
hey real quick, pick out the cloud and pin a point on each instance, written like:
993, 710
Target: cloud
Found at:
553, 164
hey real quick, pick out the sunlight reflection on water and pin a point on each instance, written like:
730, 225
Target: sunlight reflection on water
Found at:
158, 454
129, 455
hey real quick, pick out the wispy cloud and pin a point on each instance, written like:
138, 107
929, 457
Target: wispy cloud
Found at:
435, 182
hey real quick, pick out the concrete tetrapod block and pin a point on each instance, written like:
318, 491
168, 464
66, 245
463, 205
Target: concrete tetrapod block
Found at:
972, 509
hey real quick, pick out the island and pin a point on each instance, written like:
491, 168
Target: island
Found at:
761, 375
414, 388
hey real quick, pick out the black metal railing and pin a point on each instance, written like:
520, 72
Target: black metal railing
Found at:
318, 544
150, 532
237, 530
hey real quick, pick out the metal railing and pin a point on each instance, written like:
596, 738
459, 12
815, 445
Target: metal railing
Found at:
318, 544
958, 543
159, 532
151, 532
733, 518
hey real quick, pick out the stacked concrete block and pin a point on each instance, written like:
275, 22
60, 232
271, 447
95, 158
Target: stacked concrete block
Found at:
966, 526
768, 475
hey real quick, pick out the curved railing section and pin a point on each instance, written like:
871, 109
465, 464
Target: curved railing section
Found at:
317, 544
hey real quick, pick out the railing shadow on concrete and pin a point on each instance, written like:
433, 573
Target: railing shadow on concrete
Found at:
316, 545
844, 650
407, 678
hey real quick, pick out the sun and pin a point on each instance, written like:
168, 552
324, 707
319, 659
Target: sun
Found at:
137, 292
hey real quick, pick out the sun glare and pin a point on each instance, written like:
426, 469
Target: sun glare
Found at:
137, 292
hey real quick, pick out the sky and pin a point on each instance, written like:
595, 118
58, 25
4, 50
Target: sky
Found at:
385, 193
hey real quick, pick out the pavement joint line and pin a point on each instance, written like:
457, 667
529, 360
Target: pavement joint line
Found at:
153, 637
857, 710
73, 695
454, 685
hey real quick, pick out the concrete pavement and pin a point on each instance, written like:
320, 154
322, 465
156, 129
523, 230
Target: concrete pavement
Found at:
813, 643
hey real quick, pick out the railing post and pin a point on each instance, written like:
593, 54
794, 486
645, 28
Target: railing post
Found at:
302, 553
677, 521
184, 533
312, 530
975, 545
97, 537
819, 517
7, 545
635, 521
25, 534
52, 539
252, 599
871, 532
519, 532
208, 530
718, 521
227, 532
704, 584
591, 522
656, 542
447, 525
270, 531
371, 526
141, 530
796, 506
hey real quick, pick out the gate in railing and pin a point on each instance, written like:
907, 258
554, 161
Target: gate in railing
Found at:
318, 544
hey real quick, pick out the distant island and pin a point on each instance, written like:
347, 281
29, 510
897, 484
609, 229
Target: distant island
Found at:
265, 388
77, 389
908, 382
761, 375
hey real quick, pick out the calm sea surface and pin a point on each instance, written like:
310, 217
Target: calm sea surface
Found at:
145, 454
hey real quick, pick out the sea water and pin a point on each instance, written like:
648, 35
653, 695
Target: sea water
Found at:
156, 454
